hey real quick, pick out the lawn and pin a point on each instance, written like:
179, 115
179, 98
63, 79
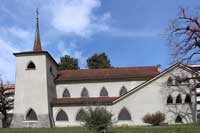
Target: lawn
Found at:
164, 129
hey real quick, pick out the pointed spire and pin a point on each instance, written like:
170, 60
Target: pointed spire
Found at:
37, 43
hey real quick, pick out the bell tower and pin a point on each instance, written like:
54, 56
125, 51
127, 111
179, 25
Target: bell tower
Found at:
34, 86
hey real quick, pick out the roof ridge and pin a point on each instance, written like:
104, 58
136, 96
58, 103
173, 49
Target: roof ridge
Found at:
110, 68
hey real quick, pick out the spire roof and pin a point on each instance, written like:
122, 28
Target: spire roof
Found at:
37, 43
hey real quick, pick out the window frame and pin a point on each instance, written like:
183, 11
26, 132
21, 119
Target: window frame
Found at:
28, 68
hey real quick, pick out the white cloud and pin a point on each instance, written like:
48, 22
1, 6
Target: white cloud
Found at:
77, 17
12, 40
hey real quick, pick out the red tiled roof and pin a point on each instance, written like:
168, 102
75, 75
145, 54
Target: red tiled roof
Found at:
9, 86
91, 100
145, 72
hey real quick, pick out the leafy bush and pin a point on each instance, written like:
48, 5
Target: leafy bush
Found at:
154, 119
97, 119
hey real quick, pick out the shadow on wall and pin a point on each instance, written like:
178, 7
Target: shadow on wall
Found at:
179, 96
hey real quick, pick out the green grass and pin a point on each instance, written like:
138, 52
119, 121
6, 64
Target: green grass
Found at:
164, 129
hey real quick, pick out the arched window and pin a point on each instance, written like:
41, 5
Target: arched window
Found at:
104, 92
178, 80
61, 116
31, 115
169, 100
178, 119
66, 93
179, 99
123, 91
84, 93
31, 65
124, 115
51, 69
170, 81
80, 115
187, 99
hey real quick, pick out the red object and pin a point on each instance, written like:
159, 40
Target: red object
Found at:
143, 73
91, 100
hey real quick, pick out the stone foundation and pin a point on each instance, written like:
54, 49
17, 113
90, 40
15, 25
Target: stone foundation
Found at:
19, 122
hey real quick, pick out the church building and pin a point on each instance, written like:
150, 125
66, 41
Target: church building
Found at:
48, 97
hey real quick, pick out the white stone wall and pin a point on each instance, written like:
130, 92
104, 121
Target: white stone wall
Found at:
149, 99
71, 112
94, 88
31, 85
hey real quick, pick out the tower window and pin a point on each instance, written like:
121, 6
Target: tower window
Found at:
104, 92
31, 65
61, 116
51, 69
169, 100
31, 115
124, 115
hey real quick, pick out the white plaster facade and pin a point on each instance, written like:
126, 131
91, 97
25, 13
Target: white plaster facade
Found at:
36, 89
149, 98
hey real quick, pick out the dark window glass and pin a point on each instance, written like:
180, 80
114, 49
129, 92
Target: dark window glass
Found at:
84, 93
61, 116
122, 91
178, 119
169, 100
51, 69
178, 99
104, 92
124, 115
66, 93
31, 115
170, 81
187, 99
80, 115
31, 65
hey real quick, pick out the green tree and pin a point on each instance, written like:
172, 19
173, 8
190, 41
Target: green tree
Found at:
97, 119
6, 104
67, 62
98, 61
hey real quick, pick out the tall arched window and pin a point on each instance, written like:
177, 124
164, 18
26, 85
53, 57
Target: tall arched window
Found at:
84, 93
123, 91
61, 116
80, 115
187, 99
31, 65
103, 92
31, 115
178, 119
66, 93
124, 115
179, 99
169, 100
170, 81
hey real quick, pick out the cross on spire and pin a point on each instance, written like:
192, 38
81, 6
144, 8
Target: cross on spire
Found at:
37, 43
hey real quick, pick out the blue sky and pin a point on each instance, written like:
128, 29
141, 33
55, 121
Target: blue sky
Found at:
129, 31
